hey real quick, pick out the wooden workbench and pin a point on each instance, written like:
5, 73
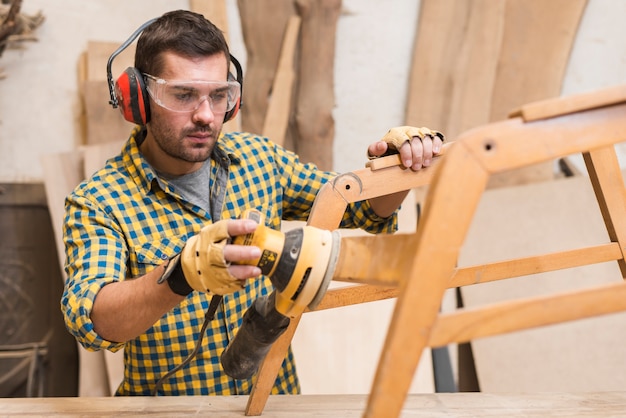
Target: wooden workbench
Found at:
466, 405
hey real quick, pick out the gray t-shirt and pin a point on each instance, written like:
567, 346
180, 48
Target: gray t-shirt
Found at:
194, 187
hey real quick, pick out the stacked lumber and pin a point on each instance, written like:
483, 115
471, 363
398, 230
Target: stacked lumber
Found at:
475, 61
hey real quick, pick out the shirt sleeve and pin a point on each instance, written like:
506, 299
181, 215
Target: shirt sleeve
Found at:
94, 250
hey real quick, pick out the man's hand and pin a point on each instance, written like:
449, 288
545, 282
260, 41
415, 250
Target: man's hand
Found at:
416, 146
207, 257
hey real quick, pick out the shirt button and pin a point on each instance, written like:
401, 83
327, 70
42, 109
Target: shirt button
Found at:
231, 327
164, 256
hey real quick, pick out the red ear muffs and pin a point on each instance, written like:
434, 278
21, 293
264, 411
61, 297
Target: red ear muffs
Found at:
132, 96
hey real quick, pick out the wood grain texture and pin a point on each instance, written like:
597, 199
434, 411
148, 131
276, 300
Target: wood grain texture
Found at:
536, 43
263, 25
213, 10
454, 64
314, 122
102, 123
537, 39
442, 405
475, 61
280, 104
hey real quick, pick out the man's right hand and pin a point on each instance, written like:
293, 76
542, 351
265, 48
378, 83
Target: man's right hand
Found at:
205, 262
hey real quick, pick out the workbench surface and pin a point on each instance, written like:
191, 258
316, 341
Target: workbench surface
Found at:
465, 405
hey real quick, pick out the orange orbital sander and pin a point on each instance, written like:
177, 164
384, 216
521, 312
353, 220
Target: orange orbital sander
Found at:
300, 264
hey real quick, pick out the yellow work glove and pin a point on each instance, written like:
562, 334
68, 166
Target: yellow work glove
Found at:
201, 265
397, 136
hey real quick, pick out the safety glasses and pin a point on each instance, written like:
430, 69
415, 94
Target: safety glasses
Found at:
187, 96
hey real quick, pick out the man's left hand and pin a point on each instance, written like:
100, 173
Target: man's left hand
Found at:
416, 146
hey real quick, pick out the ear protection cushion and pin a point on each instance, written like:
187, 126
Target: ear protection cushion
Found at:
238, 77
132, 96
233, 112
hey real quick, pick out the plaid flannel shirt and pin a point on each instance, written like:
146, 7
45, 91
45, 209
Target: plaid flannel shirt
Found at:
125, 221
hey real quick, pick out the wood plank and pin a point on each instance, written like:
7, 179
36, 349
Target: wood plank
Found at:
62, 172
353, 266
270, 367
532, 28
263, 43
279, 108
546, 140
354, 295
485, 64
314, 121
517, 315
366, 292
610, 193
454, 68
103, 123
98, 54
441, 405
213, 10
553, 107
541, 263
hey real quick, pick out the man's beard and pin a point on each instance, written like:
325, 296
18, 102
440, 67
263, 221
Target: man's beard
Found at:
171, 143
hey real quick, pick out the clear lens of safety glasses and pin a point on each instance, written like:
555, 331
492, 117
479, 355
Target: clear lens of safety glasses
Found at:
186, 96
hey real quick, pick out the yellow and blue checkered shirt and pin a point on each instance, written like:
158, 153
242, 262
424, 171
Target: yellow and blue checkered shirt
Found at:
125, 221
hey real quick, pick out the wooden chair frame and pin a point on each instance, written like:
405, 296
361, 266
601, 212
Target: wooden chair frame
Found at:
419, 267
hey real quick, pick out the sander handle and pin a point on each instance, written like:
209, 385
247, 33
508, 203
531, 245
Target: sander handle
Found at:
261, 327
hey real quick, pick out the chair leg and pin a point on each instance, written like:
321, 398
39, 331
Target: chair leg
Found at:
442, 228
269, 370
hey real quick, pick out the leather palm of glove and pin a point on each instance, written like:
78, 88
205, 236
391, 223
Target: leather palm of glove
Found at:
396, 137
201, 265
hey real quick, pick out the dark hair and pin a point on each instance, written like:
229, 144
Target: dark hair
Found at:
181, 31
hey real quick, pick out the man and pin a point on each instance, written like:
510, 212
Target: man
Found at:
180, 184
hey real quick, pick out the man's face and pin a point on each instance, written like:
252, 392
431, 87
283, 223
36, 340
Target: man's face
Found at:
179, 142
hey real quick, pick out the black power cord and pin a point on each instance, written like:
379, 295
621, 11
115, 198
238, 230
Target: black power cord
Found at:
208, 317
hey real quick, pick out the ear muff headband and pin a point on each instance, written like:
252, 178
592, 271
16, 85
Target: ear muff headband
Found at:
129, 92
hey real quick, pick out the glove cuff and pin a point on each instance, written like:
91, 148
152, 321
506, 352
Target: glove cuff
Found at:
176, 278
